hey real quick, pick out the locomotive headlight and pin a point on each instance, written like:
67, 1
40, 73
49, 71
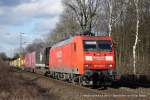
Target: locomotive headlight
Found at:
108, 58
110, 65
88, 58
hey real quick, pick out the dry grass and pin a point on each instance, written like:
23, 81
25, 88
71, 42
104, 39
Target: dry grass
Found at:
15, 88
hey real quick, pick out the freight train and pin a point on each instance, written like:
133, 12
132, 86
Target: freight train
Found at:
83, 59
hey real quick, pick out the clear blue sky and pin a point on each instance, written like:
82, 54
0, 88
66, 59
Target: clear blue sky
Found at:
35, 18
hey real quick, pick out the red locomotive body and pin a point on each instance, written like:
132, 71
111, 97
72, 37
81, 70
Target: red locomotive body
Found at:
79, 54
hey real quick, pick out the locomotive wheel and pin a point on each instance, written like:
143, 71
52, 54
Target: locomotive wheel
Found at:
73, 81
46, 74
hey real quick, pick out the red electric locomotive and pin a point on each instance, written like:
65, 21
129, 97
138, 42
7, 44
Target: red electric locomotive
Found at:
89, 60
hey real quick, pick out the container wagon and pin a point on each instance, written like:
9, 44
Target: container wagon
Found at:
37, 60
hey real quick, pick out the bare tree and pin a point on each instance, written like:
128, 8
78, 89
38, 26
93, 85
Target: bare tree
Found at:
3, 55
119, 7
85, 11
137, 33
110, 2
37, 44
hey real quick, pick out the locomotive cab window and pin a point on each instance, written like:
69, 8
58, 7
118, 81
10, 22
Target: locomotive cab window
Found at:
90, 46
104, 45
99, 45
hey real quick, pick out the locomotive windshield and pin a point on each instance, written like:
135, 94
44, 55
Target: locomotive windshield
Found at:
90, 46
98, 45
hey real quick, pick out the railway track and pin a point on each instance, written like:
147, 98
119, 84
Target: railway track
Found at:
39, 76
86, 92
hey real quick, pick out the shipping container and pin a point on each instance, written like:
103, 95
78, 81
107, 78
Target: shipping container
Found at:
40, 58
29, 60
